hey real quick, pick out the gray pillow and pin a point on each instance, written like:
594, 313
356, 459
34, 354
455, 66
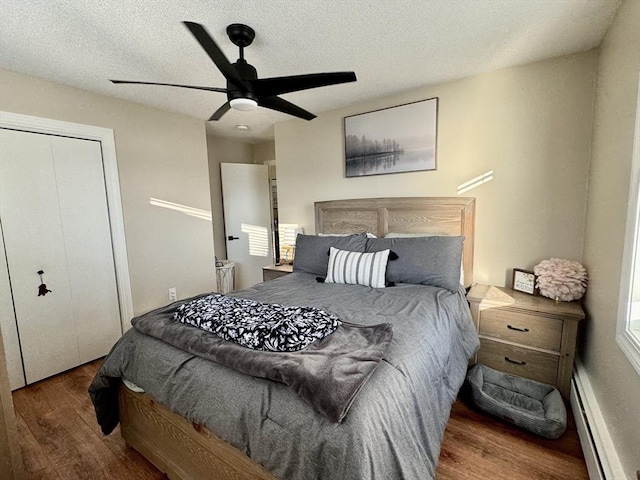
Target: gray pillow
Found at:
312, 252
422, 260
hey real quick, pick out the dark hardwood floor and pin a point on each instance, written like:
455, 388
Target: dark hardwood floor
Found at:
61, 440
478, 446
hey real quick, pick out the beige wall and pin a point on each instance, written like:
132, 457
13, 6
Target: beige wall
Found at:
614, 381
161, 155
531, 125
222, 150
264, 152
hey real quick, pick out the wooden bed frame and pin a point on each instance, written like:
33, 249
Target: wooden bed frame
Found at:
187, 451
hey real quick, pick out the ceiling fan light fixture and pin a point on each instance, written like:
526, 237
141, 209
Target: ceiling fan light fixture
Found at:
243, 104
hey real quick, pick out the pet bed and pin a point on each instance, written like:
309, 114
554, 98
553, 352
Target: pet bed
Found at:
534, 406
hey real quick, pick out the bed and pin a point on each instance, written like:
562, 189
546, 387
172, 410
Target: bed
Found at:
202, 420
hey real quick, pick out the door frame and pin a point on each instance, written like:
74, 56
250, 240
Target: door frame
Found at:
27, 123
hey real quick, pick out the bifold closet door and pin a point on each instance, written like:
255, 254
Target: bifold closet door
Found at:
54, 217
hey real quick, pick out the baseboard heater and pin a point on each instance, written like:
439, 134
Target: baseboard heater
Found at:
600, 456
591, 457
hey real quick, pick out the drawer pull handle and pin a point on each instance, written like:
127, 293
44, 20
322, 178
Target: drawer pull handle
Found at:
510, 327
517, 362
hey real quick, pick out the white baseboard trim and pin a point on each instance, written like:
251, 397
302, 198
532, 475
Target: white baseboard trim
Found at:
599, 453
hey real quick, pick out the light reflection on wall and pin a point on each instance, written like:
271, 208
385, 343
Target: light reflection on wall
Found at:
258, 239
191, 211
475, 182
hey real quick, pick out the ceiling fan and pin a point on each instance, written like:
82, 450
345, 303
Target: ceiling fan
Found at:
245, 91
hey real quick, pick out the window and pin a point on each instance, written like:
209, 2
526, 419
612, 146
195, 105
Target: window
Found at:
287, 234
628, 330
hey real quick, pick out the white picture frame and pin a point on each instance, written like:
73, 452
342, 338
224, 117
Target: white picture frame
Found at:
524, 281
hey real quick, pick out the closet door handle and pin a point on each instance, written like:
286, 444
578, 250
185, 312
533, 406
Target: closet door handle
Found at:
42, 289
517, 328
231, 237
517, 362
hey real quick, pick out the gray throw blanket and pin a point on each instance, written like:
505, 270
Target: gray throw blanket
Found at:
328, 374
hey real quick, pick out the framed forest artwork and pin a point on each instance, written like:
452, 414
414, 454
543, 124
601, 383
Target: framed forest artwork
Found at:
393, 140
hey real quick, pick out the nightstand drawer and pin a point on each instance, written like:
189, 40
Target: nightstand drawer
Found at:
529, 330
524, 362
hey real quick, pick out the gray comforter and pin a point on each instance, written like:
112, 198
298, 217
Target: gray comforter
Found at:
395, 425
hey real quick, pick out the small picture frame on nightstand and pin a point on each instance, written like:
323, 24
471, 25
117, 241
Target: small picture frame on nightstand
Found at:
524, 281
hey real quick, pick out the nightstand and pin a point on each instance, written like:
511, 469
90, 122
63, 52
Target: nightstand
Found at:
525, 335
275, 271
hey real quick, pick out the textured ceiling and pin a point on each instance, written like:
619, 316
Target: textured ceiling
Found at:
392, 46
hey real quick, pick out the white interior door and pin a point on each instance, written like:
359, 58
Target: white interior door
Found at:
54, 219
247, 220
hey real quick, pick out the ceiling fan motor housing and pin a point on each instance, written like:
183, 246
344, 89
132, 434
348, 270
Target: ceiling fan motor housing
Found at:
247, 73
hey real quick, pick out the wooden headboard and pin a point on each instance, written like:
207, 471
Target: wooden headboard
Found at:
429, 215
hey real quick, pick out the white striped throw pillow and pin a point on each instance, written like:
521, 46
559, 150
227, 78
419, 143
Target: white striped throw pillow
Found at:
366, 269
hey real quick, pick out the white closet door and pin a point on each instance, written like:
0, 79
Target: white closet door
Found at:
54, 217
34, 241
85, 222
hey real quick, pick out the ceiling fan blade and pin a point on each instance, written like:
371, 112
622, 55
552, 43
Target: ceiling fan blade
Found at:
268, 87
210, 89
214, 52
217, 115
281, 105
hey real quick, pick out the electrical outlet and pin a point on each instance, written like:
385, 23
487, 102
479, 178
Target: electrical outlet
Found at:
173, 294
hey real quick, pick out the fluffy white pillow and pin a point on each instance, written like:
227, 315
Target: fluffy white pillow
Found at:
357, 268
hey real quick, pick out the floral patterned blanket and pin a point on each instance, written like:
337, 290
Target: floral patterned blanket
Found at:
260, 326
